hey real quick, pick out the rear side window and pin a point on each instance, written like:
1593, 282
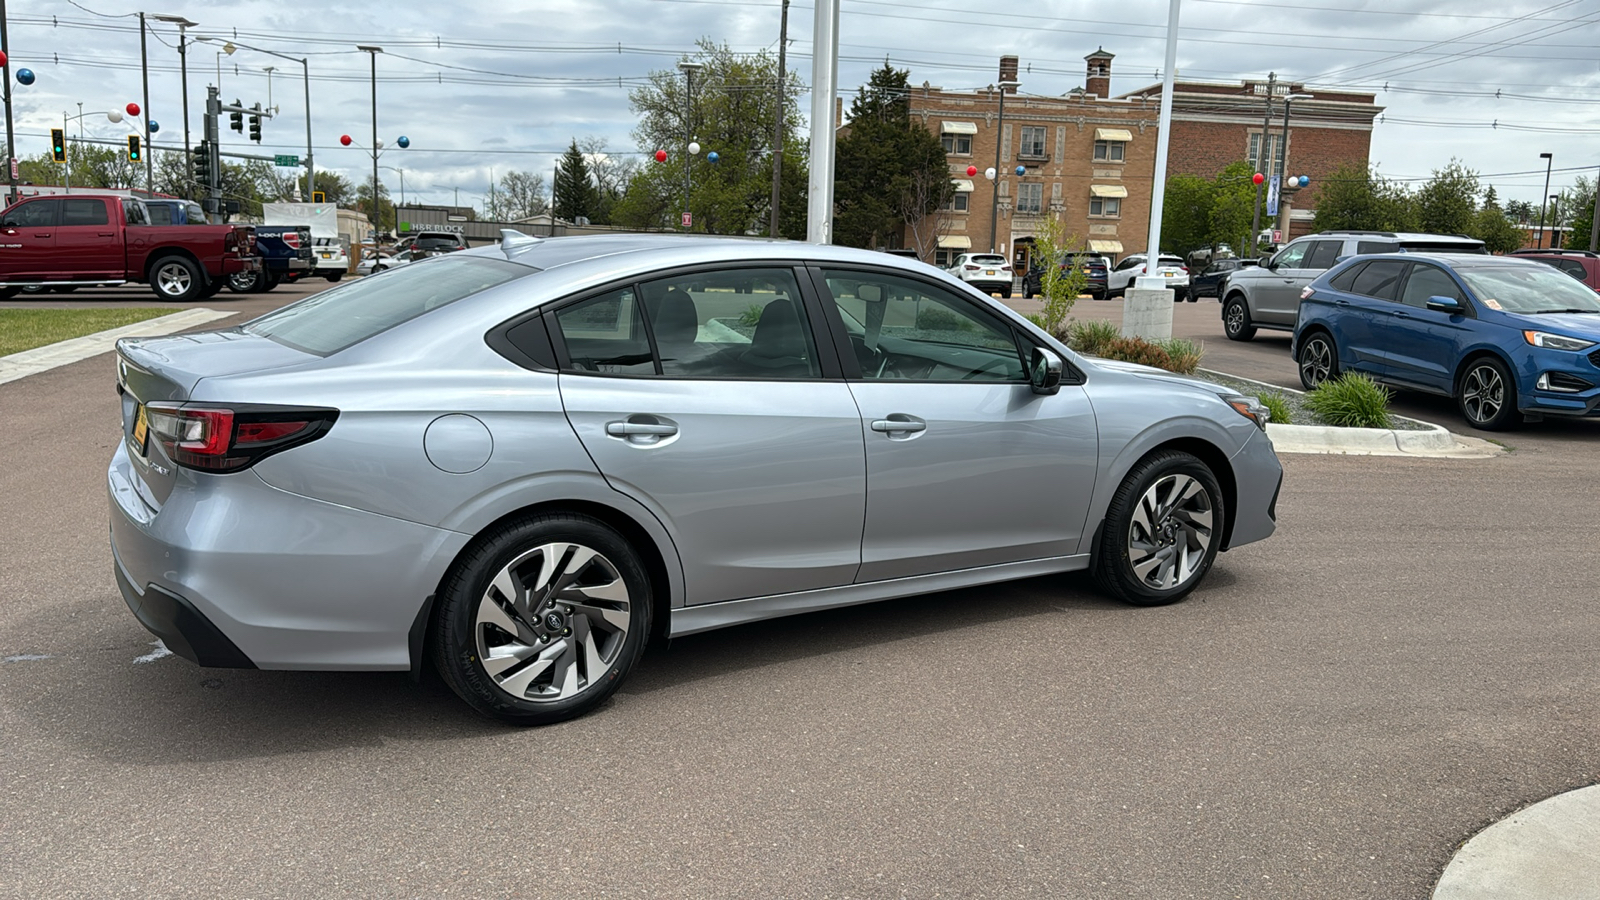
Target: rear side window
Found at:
353, 312
1323, 254
606, 335
1379, 279
1346, 280
1376, 247
83, 212
160, 214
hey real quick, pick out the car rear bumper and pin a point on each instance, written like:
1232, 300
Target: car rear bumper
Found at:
233, 265
234, 572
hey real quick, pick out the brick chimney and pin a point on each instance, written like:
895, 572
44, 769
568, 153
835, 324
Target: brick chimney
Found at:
1008, 72
1098, 80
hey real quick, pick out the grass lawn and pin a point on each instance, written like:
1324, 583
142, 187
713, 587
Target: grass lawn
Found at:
25, 329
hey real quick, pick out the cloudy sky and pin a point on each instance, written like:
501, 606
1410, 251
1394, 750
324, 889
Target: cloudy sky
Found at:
487, 86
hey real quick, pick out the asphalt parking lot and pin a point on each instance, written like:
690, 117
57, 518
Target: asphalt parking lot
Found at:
1410, 658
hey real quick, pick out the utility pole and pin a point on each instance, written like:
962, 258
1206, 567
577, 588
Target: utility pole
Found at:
777, 125
11, 137
824, 125
213, 145
1261, 154
1594, 219
689, 68
376, 208
149, 158
994, 192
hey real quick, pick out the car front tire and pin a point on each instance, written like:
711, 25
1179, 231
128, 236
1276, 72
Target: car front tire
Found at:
543, 619
1162, 530
1236, 320
1487, 396
1317, 359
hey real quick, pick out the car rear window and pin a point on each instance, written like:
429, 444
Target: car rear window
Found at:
353, 312
1376, 247
989, 260
1444, 247
434, 243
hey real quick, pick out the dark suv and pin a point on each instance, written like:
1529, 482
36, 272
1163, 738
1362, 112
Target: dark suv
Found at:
1580, 264
1268, 295
1094, 266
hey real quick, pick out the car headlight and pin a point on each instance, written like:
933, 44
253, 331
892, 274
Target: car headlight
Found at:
1555, 341
1249, 407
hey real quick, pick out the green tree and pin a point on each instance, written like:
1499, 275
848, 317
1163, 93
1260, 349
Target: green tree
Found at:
1355, 197
1578, 202
882, 161
575, 193
1520, 211
732, 114
1186, 213
1492, 226
337, 188
1233, 206
1448, 202
384, 219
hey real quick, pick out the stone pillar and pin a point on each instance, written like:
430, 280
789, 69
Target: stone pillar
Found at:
1147, 310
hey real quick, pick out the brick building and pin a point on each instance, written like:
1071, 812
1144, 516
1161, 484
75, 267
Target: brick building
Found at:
1215, 124
1087, 160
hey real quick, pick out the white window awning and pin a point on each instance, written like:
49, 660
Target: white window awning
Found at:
962, 185
1109, 134
955, 242
959, 127
1107, 190
1106, 246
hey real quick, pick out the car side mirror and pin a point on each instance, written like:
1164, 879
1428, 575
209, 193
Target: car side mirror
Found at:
1044, 371
1445, 305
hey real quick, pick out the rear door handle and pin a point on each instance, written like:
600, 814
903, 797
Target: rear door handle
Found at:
630, 429
899, 423
1341, 303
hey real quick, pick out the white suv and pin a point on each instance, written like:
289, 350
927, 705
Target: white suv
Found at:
330, 258
988, 272
1170, 269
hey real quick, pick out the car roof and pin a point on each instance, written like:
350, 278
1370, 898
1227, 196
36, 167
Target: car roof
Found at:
1463, 260
629, 250
1400, 236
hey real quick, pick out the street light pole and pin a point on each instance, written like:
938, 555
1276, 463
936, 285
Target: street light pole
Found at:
1263, 163
1549, 160
376, 208
11, 138
402, 188
688, 68
1283, 153
183, 67
994, 187
305, 67
777, 127
144, 150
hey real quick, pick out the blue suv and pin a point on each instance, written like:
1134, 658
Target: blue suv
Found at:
1506, 338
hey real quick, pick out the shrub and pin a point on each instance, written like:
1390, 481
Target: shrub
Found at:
1351, 401
1090, 337
1186, 355
1137, 350
1277, 406
751, 315
934, 318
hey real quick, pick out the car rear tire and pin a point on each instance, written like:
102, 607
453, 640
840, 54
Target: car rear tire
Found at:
543, 619
334, 277
266, 282
244, 282
1005, 292
8, 293
1162, 530
1487, 396
177, 279
1317, 359
1236, 320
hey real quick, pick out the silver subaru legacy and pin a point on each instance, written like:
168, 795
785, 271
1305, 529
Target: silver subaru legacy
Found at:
527, 461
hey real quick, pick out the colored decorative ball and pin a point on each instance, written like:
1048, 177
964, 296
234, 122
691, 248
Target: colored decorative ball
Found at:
154, 126
1257, 178
114, 116
132, 108
694, 148
3, 58
989, 173
1305, 180
661, 156
344, 139
1022, 170
25, 76
971, 171
403, 141
712, 156
378, 144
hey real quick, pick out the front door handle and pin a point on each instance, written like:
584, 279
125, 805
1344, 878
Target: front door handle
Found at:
107, 233
898, 423
1401, 314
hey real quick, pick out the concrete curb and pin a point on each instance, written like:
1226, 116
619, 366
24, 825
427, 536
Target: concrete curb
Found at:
61, 353
1433, 440
1545, 851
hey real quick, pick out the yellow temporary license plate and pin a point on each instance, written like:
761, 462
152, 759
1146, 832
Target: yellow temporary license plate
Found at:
988, 271
1168, 274
141, 429
327, 256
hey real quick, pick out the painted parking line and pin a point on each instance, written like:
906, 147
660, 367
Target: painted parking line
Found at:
61, 353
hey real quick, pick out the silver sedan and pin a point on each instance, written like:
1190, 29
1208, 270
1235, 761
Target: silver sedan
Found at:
524, 462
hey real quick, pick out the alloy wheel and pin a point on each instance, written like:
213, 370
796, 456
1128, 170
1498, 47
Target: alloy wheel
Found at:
1482, 393
1316, 362
1235, 320
174, 279
552, 622
1170, 532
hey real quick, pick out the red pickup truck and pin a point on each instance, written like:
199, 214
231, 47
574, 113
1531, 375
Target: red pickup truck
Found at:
70, 240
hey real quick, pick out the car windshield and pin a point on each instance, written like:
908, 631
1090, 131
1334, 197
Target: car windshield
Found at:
349, 314
436, 243
1532, 289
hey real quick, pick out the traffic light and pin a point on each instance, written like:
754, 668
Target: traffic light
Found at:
236, 118
319, 197
135, 150
58, 144
201, 164
255, 125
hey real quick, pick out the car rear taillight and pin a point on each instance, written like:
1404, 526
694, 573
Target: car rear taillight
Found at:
1005, 268
971, 268
227, 438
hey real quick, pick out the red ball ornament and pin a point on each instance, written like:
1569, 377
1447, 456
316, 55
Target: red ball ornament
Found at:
971, 171
344, 139
133, 109
3, 58
1257, 178
661, 156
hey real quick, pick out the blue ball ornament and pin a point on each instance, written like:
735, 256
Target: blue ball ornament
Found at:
1022, 170
712, 156
404, 142
25, 76
154, 126
1305, 180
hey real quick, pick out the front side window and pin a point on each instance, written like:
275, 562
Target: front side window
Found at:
901, 328
34, 214
1291, 256
1429, 281
1108, 151
1106, 207
957, 144
1379, 280
1032, 141
1030, 198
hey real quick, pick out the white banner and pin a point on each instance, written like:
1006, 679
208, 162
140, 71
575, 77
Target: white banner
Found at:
322, 217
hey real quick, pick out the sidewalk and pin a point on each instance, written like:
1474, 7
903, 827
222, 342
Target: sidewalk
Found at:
1547, 851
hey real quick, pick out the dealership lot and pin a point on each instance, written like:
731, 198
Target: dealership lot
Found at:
1335, 709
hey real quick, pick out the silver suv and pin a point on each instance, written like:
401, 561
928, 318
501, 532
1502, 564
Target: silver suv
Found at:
1268, 295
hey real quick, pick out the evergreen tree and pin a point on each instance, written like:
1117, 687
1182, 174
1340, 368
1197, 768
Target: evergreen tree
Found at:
575, 193
881, 161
